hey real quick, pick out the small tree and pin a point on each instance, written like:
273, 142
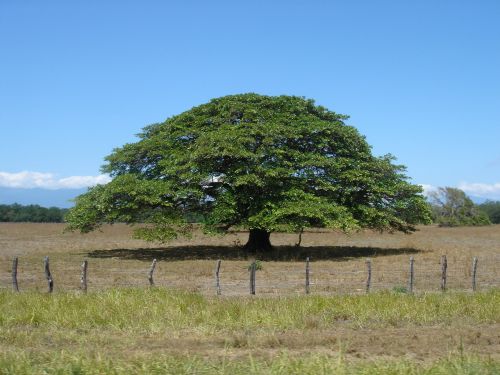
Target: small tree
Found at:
452, 207
262, 163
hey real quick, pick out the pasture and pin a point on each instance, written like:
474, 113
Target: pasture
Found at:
122, 326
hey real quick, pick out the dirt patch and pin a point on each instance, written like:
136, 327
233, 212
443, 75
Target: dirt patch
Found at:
423, 344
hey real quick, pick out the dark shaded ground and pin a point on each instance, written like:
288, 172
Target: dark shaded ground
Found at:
279, 253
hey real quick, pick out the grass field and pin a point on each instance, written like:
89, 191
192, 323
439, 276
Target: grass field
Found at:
143, 331
119, 329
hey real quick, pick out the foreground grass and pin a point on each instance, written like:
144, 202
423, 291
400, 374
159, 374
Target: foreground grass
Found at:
157, 331
281, 364
156, 310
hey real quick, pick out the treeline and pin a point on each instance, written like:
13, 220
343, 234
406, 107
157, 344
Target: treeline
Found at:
32, 213
451, 207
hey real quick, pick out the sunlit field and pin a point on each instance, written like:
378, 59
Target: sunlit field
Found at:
338, 261
123, 326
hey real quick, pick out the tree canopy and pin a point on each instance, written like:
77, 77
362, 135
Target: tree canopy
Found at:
249, 161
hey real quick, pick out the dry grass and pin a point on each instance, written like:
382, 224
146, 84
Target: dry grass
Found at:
162, 331
132, 323
338, 260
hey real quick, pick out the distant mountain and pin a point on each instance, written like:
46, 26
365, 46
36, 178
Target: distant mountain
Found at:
43, 197
477, 200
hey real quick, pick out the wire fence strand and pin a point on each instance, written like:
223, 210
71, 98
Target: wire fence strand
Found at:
285, 278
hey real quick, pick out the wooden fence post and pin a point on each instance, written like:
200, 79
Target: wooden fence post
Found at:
412, 275
369, 276
444, 266
217, 278
474, 273
15, 286
150, 274
83, 277
48, 276
307, 275
253, 268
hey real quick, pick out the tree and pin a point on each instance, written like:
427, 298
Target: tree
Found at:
492, 209
257, 162
452, 207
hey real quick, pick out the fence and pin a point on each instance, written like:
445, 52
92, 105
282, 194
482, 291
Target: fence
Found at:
234, 278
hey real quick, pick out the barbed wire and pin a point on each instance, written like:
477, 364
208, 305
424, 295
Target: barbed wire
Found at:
234, 278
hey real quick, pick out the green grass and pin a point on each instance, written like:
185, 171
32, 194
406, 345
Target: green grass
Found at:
66, 363
154, 310
160, 331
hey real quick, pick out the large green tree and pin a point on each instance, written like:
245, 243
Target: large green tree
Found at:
263, 163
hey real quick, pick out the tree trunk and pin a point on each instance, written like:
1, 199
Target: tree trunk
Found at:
258, 241
300, 237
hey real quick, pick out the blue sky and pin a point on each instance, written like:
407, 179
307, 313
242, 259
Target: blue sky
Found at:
420, 79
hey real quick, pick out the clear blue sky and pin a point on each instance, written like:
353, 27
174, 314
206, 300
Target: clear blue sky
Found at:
421, 79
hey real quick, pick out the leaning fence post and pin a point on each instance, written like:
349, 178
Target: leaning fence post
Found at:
253, 268
444, 266
307, 275
15, 287
217, 278
150, 274
474, 273
48, 276
83, 277
412, 275
369, 276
